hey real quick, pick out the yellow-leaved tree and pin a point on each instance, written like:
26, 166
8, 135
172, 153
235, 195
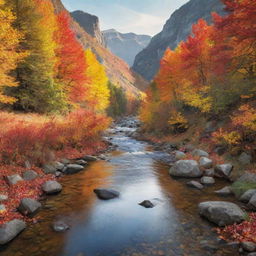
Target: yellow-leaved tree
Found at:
98, 91
9, 56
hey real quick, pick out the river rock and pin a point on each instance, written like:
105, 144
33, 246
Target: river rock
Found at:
29, 206
186, 169
73, 168
246, 197
13, 179
222, 213
89, 158
147, 204
106, 194
209, 172
49, 168
200, 153
223, 170
30, 175
60, 226
3, 198
180, 155
10, 230
207, 180
81, 162
248, 246
252, 202
195, 184
51, 187
205, 162
245, 158
226, 191
248, 177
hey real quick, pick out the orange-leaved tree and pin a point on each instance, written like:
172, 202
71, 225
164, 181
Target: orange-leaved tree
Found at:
71, 66
9, 54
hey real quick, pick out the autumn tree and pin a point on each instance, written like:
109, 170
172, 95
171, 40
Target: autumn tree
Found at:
37, 90
9, 54
98, 90
71, 66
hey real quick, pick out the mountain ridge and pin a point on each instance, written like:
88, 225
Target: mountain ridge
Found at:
118, 72
175, 30
125, 45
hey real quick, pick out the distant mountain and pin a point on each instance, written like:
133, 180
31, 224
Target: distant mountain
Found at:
117, 70
176, 29
125, 46
90, 23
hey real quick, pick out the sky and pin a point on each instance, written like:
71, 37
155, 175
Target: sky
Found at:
137, 16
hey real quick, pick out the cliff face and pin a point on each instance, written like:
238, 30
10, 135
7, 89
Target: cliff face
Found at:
125, 46
176, 29
117, 70
90, 23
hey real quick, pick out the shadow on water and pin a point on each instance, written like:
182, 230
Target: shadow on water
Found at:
121, 226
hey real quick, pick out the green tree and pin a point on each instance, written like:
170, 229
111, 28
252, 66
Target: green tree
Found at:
118, 101
37, 89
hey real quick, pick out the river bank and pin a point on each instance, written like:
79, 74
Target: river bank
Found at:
121, 226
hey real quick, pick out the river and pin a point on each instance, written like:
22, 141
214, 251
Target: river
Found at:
121, 227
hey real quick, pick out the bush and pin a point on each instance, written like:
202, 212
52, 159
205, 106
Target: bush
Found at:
34, 137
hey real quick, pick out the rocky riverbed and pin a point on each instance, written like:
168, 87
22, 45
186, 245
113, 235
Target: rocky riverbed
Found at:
135, 199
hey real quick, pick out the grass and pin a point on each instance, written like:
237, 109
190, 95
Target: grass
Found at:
239, 187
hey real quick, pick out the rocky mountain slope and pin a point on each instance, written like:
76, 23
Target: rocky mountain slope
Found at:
176, 29
117, 70
90, 23
126, 46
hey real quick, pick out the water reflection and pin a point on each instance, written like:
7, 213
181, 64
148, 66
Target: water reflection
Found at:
121, 226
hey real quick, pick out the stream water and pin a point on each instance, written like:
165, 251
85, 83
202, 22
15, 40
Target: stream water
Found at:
121, 226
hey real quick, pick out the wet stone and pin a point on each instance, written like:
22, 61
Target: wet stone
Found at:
60, 226
147, 204
106, 194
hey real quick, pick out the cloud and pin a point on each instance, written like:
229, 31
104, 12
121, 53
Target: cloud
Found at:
128, 20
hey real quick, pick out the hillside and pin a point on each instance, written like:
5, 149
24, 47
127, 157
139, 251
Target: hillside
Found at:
117, 70
176, 29
126, 46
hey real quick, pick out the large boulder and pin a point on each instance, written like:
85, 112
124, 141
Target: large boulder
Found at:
30, 175
13, 179
73, 168
51, 187
221, 213
246, 196
223, 170
252, 202
205, 162
200, 153
186, 169
106, 194
29, 206
10, 230
209, 172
